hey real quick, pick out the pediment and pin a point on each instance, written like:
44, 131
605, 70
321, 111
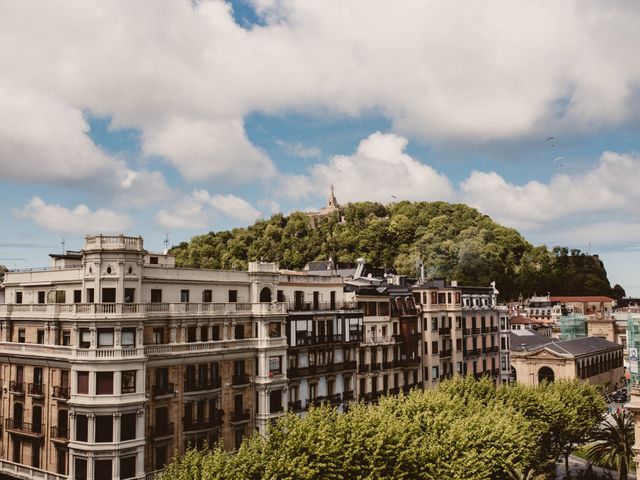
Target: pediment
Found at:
545, 354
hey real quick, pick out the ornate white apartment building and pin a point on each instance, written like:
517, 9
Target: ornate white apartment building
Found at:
113, 359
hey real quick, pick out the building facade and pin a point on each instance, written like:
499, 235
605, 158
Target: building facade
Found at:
113, 359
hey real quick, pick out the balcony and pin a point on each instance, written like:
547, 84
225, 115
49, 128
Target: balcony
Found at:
16, 388
445, 353
494, 329
485, 329
60, 434
380, 340
24, 428
363, 368
467, 331
164, 390
375, 367
295, 406
387, 365
473, 353
36, 390
61, 393
205, 385
444, 331
321, 306
240, 380
350, 365
162, 430
240, 416
193, 425
308, 341
348, 395
475, 331
354, 337
335, 399
408, 362
73, 311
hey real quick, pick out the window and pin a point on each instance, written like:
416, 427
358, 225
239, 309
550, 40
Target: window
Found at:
104, 428
153, 260
129, 381
108, 295
239, 332
85, 338
184, 296
239, 434
207, 296
275, 365
160, 456
128, 337
128, 426
82, 428
216, 333
158, 335
156, 295
434, 324
275, 401
77, 296
434, 297
128, 467
204, 334
102, 470
41, 297
81, 468
274, 329
434, 373
83, 383
129, 295
458, 322
448, 297
90, 295
233, 296
434, 347
21, 335
40, 337
191, 334
105, 337
280, 296
18, 297
104, 383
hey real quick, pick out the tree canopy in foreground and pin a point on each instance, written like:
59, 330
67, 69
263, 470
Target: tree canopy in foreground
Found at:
464, 429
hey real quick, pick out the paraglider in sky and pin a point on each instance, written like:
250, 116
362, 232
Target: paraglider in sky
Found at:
558, 160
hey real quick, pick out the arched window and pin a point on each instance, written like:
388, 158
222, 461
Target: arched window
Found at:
265, 295
545, 373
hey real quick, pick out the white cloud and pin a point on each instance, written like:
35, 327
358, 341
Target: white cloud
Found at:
142, 188
379, 170
199, 210
607, 188
187, 76
297, 149
79, 220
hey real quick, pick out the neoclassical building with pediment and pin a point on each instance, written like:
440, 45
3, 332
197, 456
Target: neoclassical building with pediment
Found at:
536, 358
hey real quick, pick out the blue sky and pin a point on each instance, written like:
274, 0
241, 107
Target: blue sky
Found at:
182, 117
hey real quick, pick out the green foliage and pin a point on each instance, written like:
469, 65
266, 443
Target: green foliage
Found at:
614, 444
464, 429
453, 241
2, 270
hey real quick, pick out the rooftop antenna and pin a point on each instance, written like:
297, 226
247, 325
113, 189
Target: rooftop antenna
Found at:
62, 243
166, 241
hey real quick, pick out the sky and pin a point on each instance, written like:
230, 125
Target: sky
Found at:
179, 117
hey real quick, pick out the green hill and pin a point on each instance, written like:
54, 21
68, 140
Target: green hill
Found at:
454, 241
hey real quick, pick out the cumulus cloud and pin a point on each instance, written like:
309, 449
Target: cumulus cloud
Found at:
199, 209
379, 170
608, 187
186, 75
78, 220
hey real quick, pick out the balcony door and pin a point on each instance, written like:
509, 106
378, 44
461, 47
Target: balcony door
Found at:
63, 423
36, 419
18, 410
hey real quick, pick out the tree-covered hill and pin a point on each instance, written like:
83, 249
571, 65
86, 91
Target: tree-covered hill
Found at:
453, 241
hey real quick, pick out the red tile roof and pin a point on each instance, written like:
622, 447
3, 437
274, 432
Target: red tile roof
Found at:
597, 299
520, 320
